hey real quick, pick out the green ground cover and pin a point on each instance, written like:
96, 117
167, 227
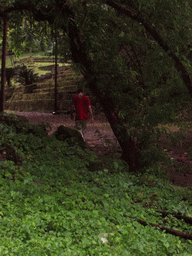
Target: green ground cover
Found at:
61, 200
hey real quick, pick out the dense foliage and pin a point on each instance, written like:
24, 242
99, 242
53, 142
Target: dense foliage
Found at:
61, 200
135, 57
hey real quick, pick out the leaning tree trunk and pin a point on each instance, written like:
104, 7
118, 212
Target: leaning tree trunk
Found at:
130, 153
78, 50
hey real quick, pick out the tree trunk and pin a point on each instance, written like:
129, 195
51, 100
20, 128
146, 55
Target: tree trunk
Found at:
3, 64
130, 153
56, 53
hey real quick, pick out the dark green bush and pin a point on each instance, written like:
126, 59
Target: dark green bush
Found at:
25, 75
10, 72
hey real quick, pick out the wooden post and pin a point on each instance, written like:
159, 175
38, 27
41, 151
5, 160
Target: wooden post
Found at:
3, 64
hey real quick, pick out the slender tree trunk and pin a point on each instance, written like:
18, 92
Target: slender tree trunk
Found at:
56, 46
3, 64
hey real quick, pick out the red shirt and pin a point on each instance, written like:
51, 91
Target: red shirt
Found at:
81, 107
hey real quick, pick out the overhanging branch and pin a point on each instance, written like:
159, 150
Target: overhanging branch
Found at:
151, 30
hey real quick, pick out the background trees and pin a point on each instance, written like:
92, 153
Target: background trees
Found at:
135, 58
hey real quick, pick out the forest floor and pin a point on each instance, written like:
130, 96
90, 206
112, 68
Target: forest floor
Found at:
101, 140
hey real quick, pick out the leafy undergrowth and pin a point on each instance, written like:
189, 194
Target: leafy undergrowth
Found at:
62, 200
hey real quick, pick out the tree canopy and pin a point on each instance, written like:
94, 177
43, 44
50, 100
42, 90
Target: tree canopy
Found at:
135, 57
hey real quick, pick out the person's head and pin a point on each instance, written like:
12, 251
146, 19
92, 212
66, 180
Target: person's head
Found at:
80, 93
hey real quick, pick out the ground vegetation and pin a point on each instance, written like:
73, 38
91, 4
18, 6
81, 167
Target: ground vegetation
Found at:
61, 199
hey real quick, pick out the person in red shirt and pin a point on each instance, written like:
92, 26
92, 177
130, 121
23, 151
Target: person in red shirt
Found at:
82, 106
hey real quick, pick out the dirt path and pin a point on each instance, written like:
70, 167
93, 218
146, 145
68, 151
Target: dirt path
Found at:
102, 141
99, 135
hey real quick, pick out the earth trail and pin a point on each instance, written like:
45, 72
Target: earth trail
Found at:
101, 140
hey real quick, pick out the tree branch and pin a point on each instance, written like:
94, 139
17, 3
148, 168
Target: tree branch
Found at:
149, 28
178, 216
167, 230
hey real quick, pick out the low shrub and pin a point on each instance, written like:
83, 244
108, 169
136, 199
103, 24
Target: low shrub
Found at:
25, 75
